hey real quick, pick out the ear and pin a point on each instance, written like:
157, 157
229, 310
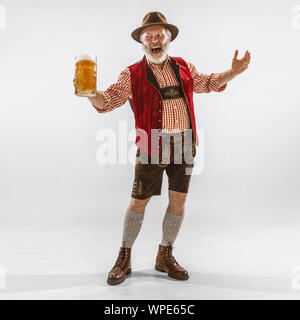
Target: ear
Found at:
168, 33
141, 34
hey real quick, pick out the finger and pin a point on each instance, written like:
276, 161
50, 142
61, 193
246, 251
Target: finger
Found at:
247, 57
236, 54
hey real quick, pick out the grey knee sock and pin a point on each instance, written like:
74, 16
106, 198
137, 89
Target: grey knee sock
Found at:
132, 225
170, 227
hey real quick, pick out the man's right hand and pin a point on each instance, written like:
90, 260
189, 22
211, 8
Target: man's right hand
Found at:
98, 101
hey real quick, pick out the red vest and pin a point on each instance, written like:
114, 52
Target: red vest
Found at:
147, 103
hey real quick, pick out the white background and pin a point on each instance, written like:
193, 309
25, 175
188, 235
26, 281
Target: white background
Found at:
244, 204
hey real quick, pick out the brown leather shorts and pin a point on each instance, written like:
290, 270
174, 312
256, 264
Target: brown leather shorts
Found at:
177, 160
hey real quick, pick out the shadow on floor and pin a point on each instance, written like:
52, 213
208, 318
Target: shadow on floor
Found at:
30, 282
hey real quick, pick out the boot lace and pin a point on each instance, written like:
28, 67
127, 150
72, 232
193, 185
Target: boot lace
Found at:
121, 258
170, 256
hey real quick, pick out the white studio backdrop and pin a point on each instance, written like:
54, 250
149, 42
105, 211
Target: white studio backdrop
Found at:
48, 165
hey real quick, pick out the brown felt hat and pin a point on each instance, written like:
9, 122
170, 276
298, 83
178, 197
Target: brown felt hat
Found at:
152, 19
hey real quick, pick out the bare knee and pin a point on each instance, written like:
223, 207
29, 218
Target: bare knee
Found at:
138, 205
176, 202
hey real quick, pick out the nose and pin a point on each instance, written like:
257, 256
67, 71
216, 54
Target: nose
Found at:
155, 40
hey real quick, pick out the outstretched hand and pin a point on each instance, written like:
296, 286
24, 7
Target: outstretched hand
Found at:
240, 65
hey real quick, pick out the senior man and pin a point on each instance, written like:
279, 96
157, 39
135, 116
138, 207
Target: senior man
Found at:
160, 91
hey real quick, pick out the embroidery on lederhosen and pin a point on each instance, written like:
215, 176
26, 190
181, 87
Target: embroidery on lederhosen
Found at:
171, 92
137, 187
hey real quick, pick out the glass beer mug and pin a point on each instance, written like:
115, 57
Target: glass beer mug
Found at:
85, 80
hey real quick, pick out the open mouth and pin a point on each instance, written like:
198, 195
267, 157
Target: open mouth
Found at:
156, 50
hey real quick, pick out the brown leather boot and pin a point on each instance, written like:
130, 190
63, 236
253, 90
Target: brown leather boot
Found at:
121, 268
166, 262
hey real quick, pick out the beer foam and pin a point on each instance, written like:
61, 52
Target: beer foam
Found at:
86, 56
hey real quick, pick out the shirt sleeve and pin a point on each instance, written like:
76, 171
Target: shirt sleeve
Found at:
204, 83
118, 93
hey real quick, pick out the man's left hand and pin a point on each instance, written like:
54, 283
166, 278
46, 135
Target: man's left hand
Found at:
240, 65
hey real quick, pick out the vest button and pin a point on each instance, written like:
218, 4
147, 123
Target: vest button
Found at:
159, 110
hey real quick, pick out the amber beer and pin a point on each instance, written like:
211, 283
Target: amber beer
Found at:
85, 75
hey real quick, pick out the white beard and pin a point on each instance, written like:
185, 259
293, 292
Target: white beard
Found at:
159, 60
